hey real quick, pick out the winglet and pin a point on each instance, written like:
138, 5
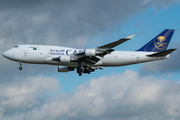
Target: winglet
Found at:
131, 36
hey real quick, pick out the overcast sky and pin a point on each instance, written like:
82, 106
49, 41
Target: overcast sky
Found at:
138, 92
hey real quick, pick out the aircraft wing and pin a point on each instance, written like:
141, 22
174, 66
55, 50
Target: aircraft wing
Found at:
107, 49
101, 50
116, 43
89, 60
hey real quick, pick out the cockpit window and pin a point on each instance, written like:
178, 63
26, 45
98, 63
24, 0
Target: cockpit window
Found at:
16, 46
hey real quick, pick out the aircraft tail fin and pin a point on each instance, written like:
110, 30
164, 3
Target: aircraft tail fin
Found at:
159, 43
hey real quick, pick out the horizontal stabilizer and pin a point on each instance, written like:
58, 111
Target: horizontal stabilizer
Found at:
161, 54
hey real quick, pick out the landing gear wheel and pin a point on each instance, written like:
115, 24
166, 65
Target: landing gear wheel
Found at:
20, 68
80, 74
79, 69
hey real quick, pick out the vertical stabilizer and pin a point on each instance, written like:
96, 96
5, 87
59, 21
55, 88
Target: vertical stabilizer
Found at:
159, 43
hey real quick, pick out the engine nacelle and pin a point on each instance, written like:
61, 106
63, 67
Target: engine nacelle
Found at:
65, 69
64, 58
90, 52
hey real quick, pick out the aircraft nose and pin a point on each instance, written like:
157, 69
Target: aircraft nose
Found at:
8, 54
4, 54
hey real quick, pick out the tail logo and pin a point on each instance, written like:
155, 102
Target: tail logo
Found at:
159, 43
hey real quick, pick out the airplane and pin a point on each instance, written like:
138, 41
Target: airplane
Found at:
89, 60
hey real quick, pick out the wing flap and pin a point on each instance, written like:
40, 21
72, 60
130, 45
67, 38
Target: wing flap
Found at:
89, 60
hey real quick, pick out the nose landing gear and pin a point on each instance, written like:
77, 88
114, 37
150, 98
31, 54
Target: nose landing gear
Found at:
20, 68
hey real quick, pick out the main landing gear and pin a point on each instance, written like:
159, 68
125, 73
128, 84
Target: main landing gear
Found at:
81, 70
80, 74
20, 68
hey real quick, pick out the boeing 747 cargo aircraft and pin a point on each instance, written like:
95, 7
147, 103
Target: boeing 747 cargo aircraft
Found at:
89, 60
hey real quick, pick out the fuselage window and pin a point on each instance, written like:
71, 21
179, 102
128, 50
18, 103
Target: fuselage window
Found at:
16, 46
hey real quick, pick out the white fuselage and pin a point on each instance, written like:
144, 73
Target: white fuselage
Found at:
43, 54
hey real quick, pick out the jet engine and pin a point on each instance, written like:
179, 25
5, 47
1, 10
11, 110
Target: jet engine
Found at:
64, 58
92, 52
65, 69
